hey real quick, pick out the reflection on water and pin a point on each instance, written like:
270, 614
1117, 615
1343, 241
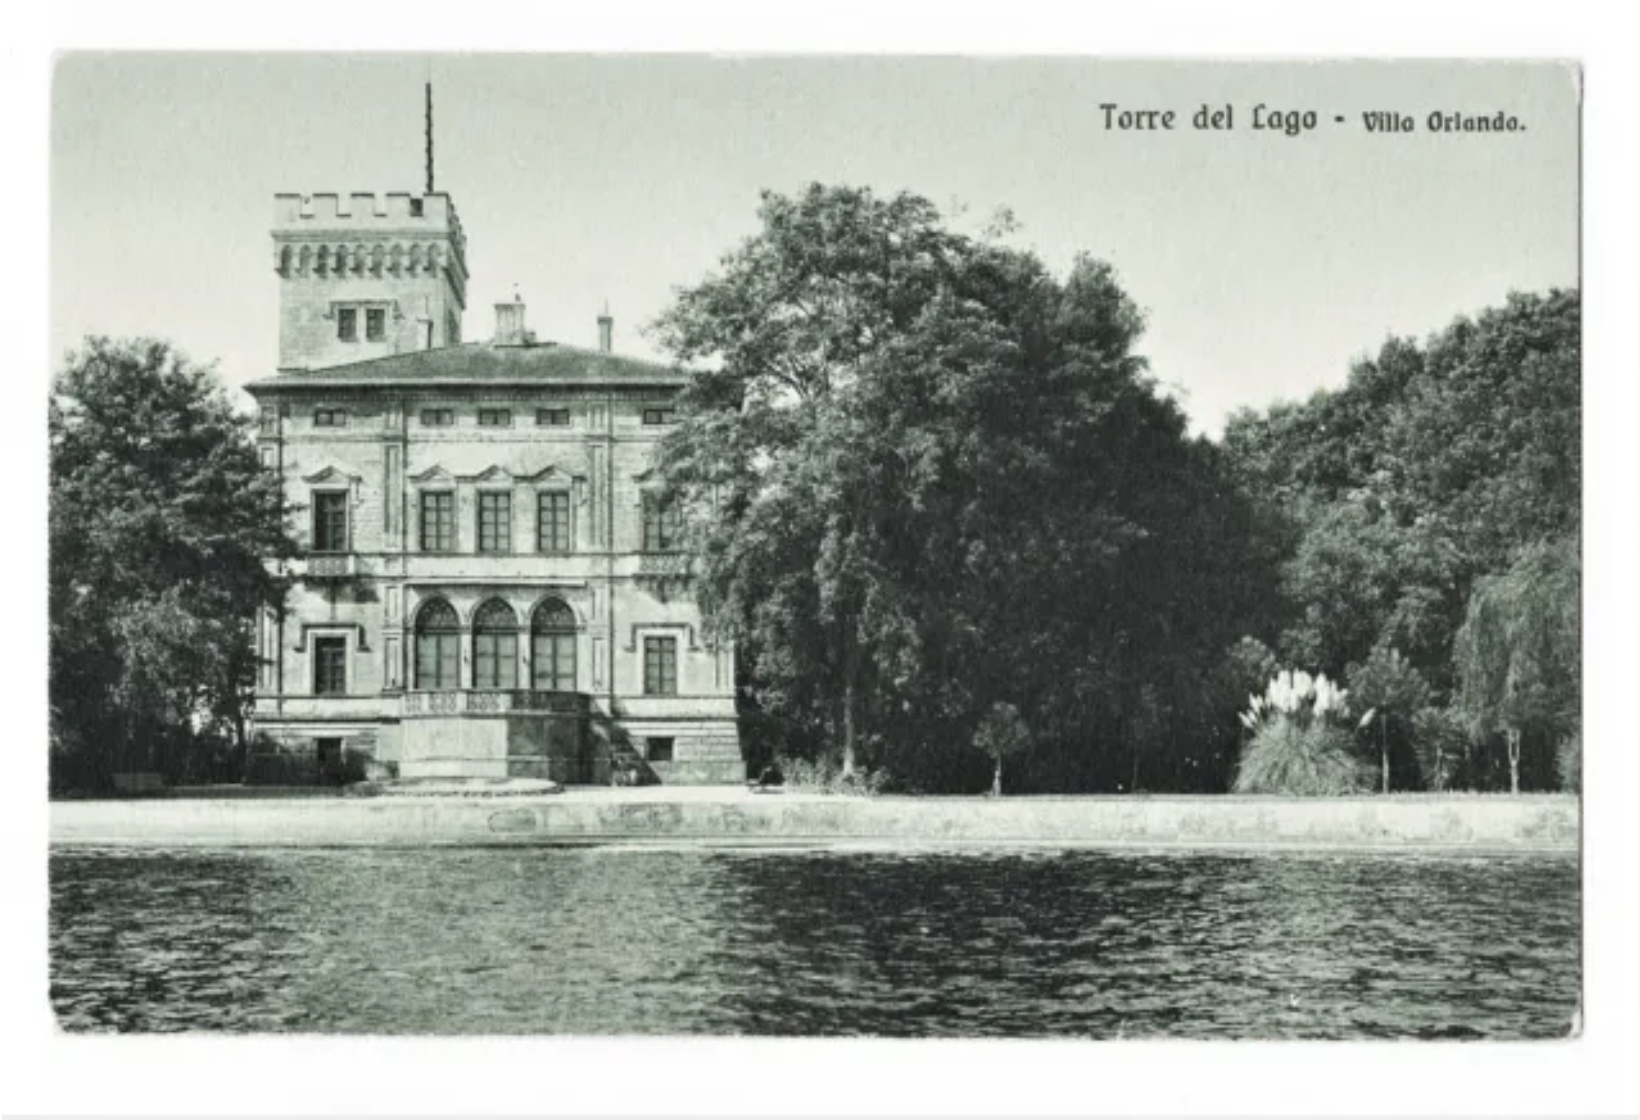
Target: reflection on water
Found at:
609, 940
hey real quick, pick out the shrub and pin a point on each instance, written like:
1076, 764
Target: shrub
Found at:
824, 776
1287, 757
1569, 762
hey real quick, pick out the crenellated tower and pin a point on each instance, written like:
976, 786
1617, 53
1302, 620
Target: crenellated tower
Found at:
365, 276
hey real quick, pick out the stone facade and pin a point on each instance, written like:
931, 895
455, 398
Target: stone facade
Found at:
486, 586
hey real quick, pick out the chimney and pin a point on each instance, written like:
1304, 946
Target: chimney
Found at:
606, 330
509, 323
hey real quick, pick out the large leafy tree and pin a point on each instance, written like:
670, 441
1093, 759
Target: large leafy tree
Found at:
1425, 473
1519, 654
927, 478
162, 528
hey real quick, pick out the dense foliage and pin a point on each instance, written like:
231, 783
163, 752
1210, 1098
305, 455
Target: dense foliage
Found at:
925, 477
1518, 657
1406, 494
161, 522
1292, 760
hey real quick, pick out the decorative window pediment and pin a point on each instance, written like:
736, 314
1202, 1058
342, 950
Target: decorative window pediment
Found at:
434, 475
549, 476
491, 473
334, 476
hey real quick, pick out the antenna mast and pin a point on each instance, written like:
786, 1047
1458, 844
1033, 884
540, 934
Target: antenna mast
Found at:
429, 128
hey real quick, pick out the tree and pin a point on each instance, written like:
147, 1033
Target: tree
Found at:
924, 476
1421, 476
1001, 734
1391, 691
1519, 651
162, 525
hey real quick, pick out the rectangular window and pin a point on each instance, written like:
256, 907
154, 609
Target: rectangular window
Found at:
660, 666
662, 524
438, 417
330, 521
552, 417
658, 748
330, 418
495, 418
495, 522
552, 521
438, 521
347, 324
660, 415
375, 324
329, 666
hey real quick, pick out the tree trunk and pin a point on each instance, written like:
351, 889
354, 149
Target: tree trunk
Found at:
996, 779
850, 671
1512, 738
1383, 750
241, 754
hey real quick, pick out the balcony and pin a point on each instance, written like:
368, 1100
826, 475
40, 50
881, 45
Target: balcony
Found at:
664, 574
331, 566
493, 702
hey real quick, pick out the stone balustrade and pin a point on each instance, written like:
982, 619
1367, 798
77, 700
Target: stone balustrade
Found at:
491, 701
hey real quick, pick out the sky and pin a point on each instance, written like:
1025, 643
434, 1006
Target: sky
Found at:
1265, 262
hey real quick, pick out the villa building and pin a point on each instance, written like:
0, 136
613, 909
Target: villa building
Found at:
489, 584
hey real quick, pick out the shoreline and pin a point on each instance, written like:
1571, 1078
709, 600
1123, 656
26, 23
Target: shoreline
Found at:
732, 817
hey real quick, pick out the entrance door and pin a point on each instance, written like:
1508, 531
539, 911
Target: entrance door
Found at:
328, 755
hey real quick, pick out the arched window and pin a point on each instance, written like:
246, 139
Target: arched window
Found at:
438, 646
552, 647
495, 646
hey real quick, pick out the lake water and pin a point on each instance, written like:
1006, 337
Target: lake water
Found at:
644, 941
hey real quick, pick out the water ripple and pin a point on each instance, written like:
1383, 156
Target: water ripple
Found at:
676, 942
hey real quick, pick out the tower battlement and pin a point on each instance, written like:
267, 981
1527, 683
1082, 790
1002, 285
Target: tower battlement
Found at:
330, 214
364, 275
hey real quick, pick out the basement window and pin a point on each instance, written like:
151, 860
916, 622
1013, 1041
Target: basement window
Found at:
658, 748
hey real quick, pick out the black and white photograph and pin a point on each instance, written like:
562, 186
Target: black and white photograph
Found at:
703, 545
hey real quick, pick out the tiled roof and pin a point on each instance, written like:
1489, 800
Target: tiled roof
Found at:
481, 363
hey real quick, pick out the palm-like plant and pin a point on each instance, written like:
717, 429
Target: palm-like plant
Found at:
1388, 686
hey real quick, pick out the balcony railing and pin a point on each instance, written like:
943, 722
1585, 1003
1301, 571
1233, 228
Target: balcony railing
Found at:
492, 701
331, 565
664, 574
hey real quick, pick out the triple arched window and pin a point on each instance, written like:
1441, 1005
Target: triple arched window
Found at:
495, 636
